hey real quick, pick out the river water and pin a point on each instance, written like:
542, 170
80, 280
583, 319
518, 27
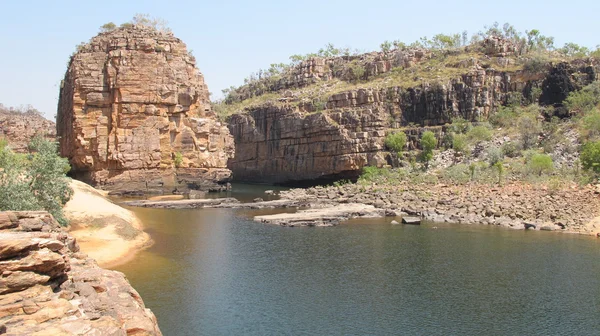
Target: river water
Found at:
216, 272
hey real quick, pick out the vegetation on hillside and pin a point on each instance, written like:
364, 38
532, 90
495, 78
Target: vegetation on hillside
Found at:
22, 110
449, 55
34, 181
521, 143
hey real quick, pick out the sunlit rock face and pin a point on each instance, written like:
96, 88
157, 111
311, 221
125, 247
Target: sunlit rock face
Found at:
134, 115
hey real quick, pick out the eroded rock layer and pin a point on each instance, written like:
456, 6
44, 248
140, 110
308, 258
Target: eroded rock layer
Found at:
47, 287
280, 142
134, 114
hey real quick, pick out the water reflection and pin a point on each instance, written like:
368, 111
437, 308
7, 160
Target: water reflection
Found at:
215, 272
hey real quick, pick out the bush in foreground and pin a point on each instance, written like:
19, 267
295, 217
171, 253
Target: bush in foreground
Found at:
35, 181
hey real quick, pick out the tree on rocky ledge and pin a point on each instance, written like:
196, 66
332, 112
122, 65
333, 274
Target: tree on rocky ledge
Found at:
107, 27
428, 143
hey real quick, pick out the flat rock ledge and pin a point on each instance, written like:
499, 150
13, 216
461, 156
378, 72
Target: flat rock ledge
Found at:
48, 287
226, 203
313, 212
327, 216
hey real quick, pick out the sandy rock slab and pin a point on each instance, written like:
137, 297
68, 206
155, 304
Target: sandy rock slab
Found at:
48, 287
182, 204
326, 216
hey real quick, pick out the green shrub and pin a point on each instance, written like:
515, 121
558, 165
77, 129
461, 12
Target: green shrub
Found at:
460, 125
381, 175
479, 133
511, 149
459, 143
500, 169
541, 163
459, 174
504, 117
494, 154
357, 70
110, 26
36, 181
529, 128
396, 141
178, 159
590, 156
386, 46
584, 100
537, 63
590, 123
514, 99
428, 144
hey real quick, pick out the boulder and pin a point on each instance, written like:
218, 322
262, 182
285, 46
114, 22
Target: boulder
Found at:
411, 220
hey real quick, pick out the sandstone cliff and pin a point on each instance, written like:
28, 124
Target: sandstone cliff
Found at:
312, 132
19, 128
134, 114
47, 287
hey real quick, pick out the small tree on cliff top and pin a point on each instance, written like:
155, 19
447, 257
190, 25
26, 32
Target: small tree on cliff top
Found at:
152, 22
107, 27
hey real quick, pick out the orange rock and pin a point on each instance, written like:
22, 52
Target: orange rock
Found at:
134, 114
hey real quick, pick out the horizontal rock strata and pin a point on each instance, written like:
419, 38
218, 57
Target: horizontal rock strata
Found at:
292, 140
134, 114
48, 287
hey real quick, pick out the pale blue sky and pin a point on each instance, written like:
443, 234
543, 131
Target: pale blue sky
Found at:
231, 39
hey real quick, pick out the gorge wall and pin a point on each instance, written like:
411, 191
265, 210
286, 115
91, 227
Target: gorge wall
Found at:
290, 140
134, 115
48, 287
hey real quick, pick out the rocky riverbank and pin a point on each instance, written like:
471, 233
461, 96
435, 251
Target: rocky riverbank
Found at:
518, 206
48, 287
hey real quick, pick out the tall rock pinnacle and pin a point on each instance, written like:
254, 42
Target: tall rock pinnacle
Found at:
134, 115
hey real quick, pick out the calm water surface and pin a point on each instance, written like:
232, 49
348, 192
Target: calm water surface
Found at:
215, 272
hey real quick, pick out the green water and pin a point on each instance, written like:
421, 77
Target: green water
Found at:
215, 272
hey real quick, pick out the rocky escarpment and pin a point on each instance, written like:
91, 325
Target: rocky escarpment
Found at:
47, 287
19, 128
293, 139
134, 114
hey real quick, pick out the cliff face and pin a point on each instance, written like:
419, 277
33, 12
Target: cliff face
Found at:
134, 114
48, 287
19, 128
279, 142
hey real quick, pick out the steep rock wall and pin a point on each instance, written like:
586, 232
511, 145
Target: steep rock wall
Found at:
134, 114
278, 143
